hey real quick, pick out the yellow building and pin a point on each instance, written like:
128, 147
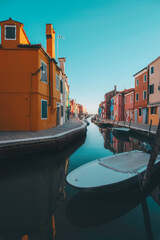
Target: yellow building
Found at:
29, 92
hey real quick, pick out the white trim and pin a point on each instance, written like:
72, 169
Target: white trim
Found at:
41, 109
5, 32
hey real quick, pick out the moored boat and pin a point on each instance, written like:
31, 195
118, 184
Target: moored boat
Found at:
113, 173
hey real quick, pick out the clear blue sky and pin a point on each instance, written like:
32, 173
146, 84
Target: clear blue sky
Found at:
106, 41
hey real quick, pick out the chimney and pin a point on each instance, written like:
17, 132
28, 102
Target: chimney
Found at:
50, 36
62, 63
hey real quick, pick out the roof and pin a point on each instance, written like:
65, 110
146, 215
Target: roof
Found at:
10, 19
37, 46
154, 61
126, 91
145, 68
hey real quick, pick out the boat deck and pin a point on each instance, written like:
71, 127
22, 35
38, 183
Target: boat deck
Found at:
127, 162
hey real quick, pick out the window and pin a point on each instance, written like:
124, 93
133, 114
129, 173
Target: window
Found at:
57, 82
144, 95
152, 70
43, 72
145, 78
61, 82
140, 111
44, 112
137, 96
151, 89
153, 110
137, 82
10, 32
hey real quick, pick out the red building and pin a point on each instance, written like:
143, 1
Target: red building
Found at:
129, 104
119, 106
141, 96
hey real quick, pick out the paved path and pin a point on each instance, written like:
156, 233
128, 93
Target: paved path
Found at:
18, 136
135, 126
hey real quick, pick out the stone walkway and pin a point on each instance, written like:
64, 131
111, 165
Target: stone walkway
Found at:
22, 135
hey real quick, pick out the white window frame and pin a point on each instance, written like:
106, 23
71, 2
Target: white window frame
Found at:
143, 95
42, 71
41, 109
5, 32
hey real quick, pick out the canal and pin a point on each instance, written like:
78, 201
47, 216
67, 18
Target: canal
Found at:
36, 203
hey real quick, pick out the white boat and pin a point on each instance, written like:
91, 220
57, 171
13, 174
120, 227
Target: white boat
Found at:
113, 172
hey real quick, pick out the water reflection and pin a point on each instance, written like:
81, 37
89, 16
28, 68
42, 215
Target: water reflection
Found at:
31, 189
122, 143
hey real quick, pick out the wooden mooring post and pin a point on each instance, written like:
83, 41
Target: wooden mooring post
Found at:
150, 127
154, 153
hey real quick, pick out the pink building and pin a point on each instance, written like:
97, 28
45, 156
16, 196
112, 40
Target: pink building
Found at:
119, 107
129, 104
154, 91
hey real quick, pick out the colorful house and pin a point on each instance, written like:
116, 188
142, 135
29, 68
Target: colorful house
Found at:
129, 104
112, 108
30, 90
154, 92
119, 106
141, 96
64, 92
108, 97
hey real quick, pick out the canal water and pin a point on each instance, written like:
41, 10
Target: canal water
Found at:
36, 203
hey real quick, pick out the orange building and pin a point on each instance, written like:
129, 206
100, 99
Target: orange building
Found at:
30, 80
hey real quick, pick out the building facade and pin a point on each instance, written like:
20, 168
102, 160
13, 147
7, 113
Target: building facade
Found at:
129, 105
119, 106
30, 91
154, 92
141, 96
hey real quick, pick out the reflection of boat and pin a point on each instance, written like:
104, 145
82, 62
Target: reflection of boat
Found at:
102, 124
113, 173
121, 131
121, 137
96, 208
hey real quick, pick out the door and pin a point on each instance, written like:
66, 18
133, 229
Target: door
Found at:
145, 115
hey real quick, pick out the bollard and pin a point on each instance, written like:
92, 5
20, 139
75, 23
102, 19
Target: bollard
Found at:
150, 127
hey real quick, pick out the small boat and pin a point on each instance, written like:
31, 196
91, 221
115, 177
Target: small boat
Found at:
113, 172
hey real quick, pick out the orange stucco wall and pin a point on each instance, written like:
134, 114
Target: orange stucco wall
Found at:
21, 92
153, 117
21, 88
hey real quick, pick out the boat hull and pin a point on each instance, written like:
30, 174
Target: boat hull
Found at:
94, 175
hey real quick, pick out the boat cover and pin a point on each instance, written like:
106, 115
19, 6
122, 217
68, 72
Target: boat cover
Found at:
128, 162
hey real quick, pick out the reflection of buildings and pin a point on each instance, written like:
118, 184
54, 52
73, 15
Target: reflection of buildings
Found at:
108, 138
30, 193
118, 144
